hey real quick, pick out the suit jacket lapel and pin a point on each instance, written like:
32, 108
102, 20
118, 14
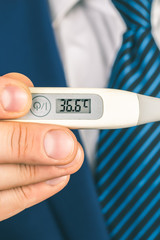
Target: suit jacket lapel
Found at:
28, 46
77, 209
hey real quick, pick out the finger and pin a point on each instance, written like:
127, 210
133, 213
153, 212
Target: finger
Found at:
17, 199
37, 144
15, 98
76, 163
14, 175
20, 77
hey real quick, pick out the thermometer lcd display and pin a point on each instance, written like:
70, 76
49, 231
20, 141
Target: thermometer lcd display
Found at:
65, 106
75, 105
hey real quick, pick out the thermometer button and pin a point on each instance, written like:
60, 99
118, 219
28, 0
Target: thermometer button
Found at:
41, 106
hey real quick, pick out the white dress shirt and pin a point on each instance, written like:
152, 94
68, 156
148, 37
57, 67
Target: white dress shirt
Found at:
89, 35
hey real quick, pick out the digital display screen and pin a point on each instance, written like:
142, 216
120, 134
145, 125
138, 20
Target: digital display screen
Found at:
73, 105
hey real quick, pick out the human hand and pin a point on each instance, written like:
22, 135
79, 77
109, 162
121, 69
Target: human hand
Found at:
36, 160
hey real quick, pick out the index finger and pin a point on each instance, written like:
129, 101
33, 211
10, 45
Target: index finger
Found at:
20, 77
15, 98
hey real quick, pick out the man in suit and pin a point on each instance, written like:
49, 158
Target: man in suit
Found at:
29, 47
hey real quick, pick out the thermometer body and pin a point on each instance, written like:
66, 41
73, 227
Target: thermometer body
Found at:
90, 108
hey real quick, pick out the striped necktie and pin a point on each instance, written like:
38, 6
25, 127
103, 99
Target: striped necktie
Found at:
128, 160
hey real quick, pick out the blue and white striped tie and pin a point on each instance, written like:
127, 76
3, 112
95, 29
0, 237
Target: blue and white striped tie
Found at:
128, 160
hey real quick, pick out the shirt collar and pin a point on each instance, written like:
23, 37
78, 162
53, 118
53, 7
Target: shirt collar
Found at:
59, 9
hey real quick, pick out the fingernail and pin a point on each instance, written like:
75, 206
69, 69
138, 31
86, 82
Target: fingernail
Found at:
13, 99
58, 144
76, 159
56, 181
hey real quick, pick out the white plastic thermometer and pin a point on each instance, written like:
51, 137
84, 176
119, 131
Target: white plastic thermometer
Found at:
91, 108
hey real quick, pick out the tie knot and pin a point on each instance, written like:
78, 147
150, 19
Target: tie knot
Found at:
136, 13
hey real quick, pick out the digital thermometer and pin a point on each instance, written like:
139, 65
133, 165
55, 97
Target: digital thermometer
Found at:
84, 108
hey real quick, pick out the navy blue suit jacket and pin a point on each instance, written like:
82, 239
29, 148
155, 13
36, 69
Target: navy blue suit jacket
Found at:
27, 45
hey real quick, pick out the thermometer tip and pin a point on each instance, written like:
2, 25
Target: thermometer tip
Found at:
149, 109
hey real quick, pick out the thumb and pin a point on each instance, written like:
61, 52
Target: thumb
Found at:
15, 97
